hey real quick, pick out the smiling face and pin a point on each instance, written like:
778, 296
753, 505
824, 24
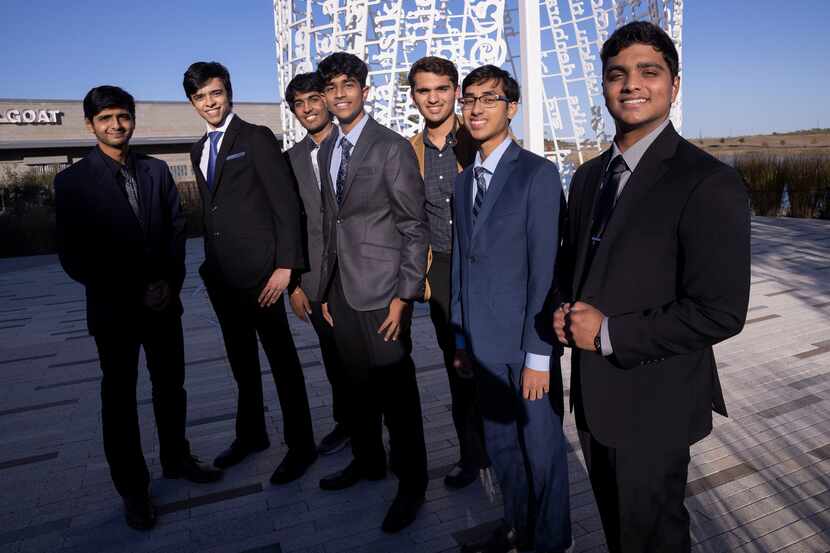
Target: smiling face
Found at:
212, 102
639, 89
489, 125
112, 127
345, 98
434, 96
310, 110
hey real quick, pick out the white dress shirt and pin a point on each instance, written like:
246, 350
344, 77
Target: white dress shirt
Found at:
203, 163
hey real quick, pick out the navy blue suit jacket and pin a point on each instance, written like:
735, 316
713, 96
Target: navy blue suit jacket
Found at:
503, 266
102, 245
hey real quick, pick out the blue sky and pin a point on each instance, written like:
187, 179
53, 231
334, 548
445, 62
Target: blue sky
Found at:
751, 66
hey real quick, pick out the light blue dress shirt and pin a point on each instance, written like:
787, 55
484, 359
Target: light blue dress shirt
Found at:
337, 154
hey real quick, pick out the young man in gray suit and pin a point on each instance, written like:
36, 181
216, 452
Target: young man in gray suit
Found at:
305, 98
376, 242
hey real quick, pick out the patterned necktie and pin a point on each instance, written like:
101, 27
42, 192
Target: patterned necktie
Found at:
314, 163
131, 188
343, 171
481, 190
214, 153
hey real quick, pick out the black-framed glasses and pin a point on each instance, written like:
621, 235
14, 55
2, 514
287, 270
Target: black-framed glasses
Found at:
487, 100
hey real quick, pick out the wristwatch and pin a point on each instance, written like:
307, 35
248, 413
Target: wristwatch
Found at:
598, 342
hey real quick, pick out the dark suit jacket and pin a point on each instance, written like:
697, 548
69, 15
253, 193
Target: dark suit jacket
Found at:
300, 157
252, 216
503, 266
102, 245
379, 236
672, 275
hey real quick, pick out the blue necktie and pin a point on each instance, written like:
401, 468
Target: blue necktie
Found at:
214, 153
343, 171
481, 190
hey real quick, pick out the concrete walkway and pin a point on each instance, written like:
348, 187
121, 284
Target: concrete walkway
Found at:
759, 483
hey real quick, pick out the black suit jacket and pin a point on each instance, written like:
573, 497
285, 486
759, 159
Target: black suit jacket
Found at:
252, 215
379, 236
102, 245
672, 274
300, 157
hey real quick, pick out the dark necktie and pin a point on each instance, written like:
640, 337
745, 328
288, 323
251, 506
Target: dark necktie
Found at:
343, 171
481, 190
603, 208
214, 153
131, 188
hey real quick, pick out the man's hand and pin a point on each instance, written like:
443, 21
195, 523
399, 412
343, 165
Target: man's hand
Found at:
560, 324
392, 326
300, 304
462, 364
583, 324
326, 315
274, 287
535, 384
157, 295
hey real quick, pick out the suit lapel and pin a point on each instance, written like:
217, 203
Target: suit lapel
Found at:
324, 160
308, 181
364, 144
462, 200
196, 160
227, 143
504, 169
145, 193
591, 186
104, 174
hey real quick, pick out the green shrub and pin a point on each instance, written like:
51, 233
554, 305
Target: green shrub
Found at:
763, 178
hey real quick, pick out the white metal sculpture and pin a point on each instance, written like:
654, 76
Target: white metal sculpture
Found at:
563, 70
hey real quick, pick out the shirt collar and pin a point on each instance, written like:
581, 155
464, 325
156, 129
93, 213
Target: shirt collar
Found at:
312, 144
493, 159
354, 134
223, 128
635, 153
449, 141
113, 166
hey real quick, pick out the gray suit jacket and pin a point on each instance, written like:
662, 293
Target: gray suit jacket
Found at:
300, 158
378, 238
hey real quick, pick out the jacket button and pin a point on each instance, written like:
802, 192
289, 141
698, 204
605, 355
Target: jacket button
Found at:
214, 208
339, 220
473, 259
216, 235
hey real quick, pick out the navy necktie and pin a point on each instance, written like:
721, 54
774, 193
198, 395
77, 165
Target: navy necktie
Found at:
481, 190
343, 171
214, 137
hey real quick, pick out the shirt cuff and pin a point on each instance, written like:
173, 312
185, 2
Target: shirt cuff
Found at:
605, 339
537, 362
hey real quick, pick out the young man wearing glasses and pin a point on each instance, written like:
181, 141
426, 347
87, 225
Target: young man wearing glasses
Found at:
506, 238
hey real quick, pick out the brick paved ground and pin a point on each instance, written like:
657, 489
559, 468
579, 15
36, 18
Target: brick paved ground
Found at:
759, 483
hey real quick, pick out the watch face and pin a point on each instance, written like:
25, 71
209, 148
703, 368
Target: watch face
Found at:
598, 343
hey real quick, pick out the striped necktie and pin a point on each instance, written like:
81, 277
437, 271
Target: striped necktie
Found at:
481, 190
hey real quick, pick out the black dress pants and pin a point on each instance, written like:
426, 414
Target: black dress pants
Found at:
640, 490
381, 386
335, 372
161, 336
242, 320
466, 414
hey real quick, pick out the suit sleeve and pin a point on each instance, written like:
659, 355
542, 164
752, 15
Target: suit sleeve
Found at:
178, 235
281, 190
407, 198
542, 244
713, 279
71, 232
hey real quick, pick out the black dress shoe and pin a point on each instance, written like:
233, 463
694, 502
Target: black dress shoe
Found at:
502, 540
349, 476
293, 466
139, 512
190, 468
460, 477
402, 513
334, 441
237, 453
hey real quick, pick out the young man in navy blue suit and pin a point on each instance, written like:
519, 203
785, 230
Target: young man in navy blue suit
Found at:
506, 237
121, 234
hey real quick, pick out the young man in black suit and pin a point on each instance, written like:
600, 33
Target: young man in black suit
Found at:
253, 240
121, 234
307, 102
376, 242
658, 247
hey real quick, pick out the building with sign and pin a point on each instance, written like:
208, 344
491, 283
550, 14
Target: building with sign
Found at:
48, 135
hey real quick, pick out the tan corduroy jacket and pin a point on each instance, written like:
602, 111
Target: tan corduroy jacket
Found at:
465, 153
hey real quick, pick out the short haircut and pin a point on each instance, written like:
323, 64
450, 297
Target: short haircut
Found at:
303, 82
492, 73
641, 32
202, 72
106, 96
433, 64
343, 63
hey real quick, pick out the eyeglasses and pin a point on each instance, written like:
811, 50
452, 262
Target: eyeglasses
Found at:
487, 100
